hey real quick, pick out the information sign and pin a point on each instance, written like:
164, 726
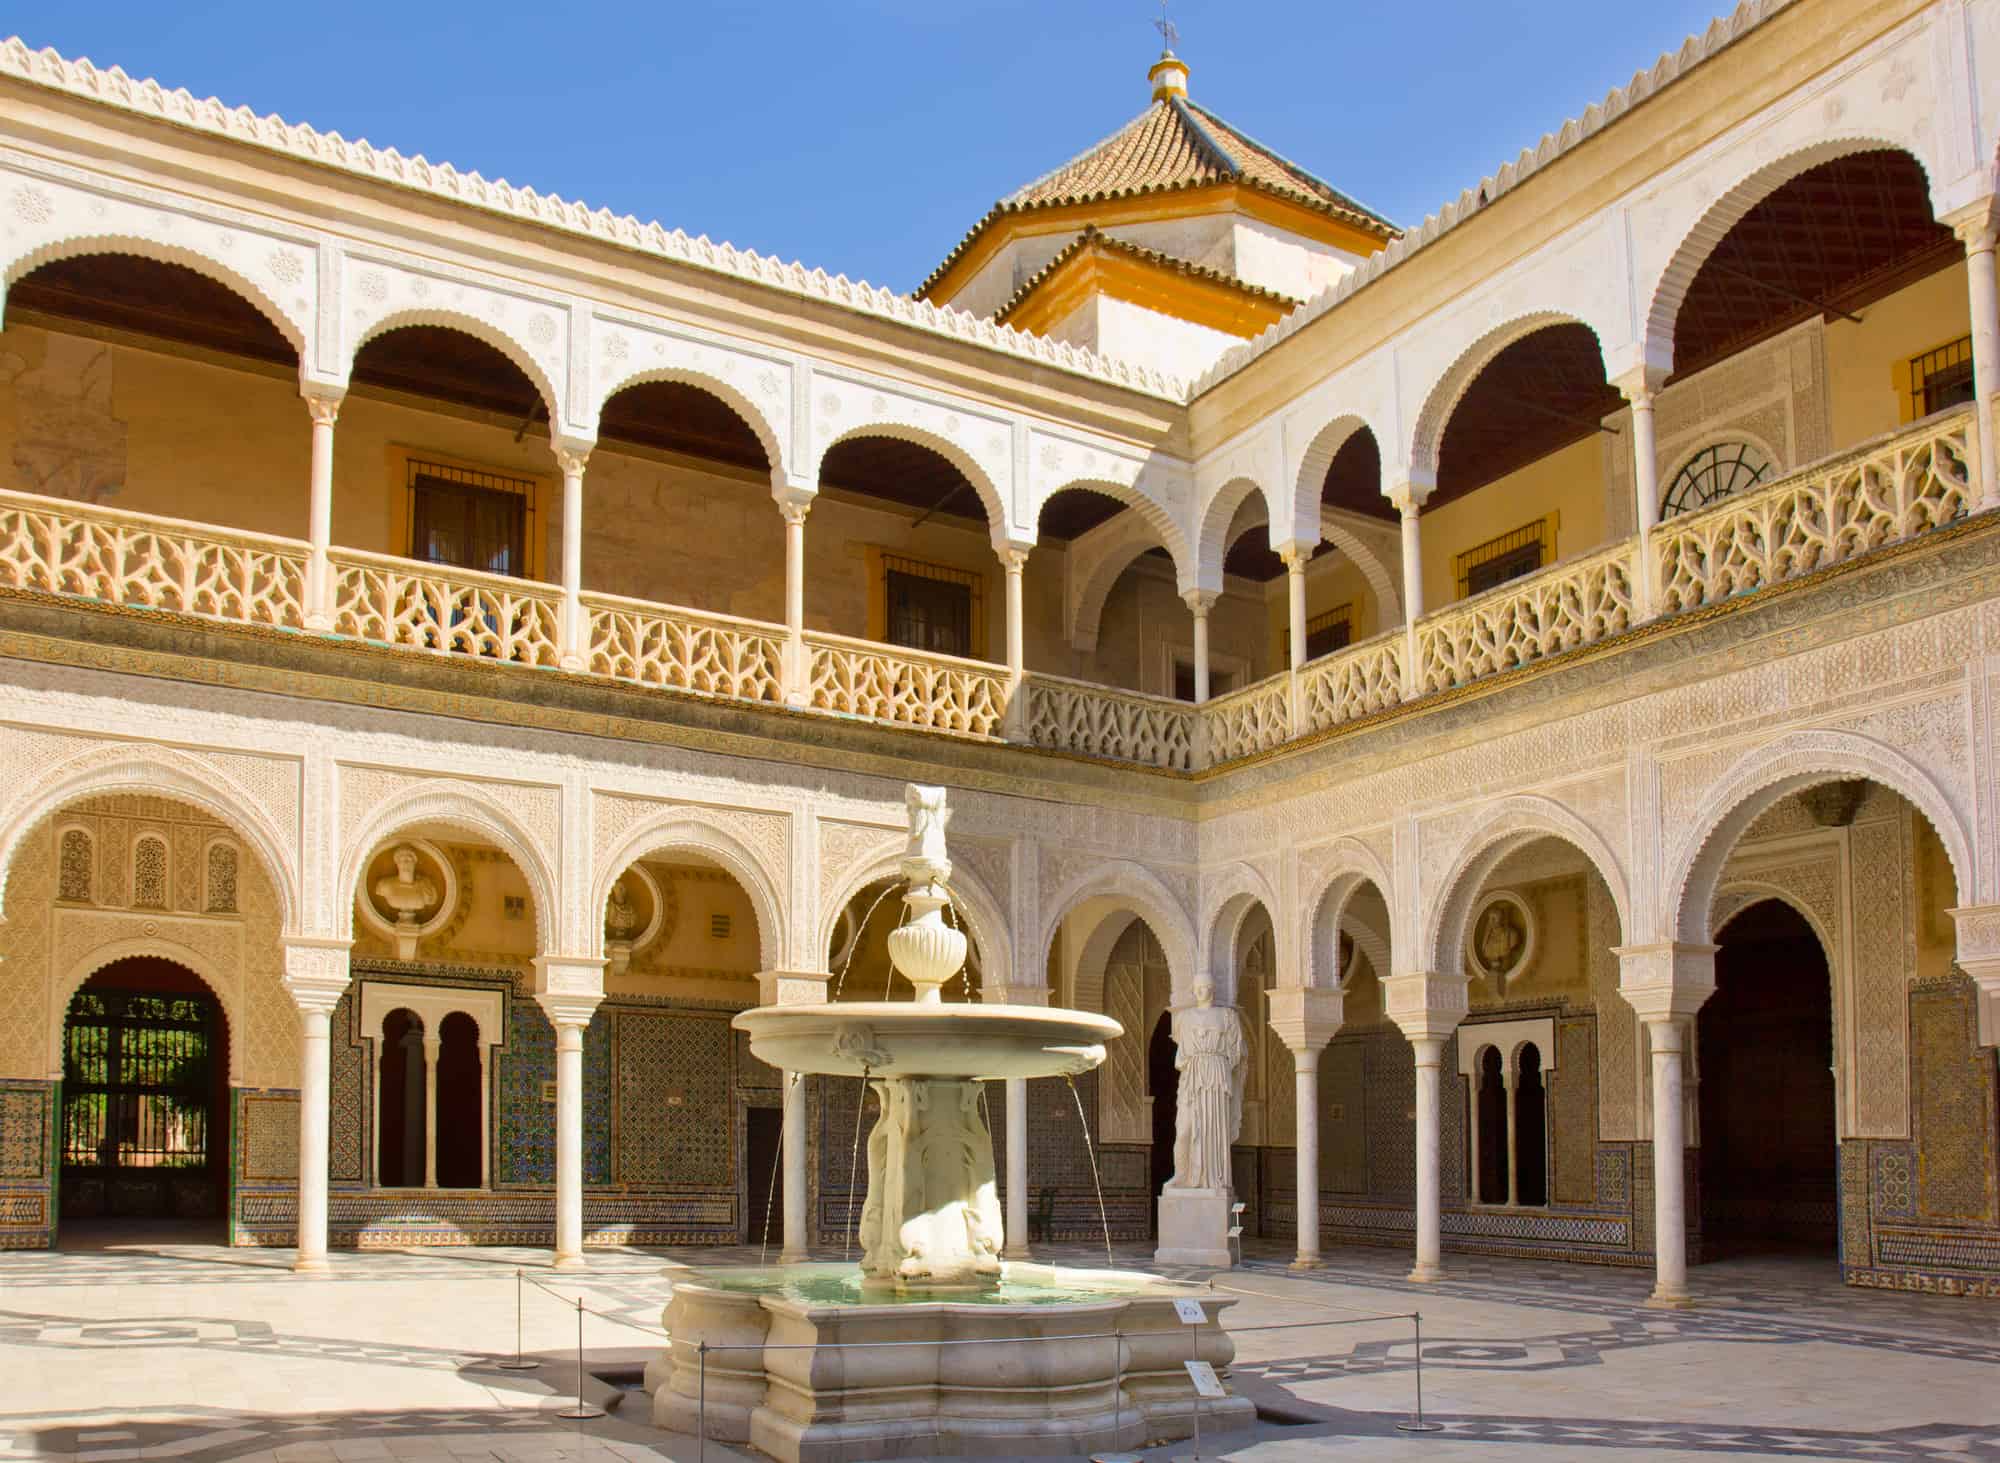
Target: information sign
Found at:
1206, 1383
1190, 1312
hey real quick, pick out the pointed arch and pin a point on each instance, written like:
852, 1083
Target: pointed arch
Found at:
1500, 831
1677, 276
1444, 395
156, 772
467, 807
514, 349
207, 265
683, 830
1767, 774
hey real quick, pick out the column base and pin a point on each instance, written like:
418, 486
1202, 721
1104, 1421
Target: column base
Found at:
794, 1257
319, 624
1663, 1299
575, 664
1307, 1262
569, 1262
1016, 1252
310, 1265
1425, 1273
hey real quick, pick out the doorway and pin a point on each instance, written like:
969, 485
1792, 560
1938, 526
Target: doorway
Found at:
764, 1140
1769, 1158
1163, 1082
145, 1097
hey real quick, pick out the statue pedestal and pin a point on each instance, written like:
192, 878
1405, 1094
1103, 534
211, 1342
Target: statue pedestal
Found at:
1194, 1228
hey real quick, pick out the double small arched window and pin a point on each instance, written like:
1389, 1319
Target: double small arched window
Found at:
1510, 1142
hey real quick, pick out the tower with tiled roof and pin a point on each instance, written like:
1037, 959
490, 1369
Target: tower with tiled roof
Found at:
1166, 243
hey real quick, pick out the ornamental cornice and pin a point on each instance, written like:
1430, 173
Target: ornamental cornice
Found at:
147, 98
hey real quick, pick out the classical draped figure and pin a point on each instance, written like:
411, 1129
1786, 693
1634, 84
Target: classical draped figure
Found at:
1208, 1052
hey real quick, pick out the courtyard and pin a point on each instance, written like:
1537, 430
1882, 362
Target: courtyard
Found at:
143, 1346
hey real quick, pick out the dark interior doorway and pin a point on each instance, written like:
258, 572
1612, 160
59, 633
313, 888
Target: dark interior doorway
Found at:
400, 1156
145, 1096
1769, 1161
461, 1145
764, 1138
1163, 1082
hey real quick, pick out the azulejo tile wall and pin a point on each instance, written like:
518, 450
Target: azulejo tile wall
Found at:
27, 1164
263, 1165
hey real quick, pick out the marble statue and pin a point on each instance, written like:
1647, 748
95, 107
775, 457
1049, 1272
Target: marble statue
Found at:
924, 859
406, 893
1208, 1053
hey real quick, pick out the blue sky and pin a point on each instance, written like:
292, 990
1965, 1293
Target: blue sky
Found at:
865, 138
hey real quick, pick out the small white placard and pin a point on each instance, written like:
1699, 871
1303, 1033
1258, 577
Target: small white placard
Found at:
1190, 1312
1206, 1383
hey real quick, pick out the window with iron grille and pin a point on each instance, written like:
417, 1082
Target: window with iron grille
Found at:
468, 519
1509, 556
1713, 473
1941, 378
1326, 632
930, 607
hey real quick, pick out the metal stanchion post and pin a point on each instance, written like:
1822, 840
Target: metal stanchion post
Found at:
1115, 1453
518, 1364
701, 1406
582, 1409
1197, 1400
1418, 1425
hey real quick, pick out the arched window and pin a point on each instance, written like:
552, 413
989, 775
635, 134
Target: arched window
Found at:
401, 1130
1531, 1129
75, 867
1714, 473
149, 874
1490, 1145
221, 879
461, 1145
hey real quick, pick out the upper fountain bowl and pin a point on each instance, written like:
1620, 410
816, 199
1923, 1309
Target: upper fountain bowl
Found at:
904, 1039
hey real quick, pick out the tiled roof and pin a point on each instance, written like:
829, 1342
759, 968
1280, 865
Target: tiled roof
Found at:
1092, 238
1173, 145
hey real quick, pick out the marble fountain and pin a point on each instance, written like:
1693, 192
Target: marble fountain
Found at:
1104, 1366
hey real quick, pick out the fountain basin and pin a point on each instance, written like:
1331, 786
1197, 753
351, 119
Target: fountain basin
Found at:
1101, 1367
904, 1039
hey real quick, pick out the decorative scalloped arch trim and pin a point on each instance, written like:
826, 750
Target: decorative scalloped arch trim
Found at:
775, 455
154, 772
466, 324
984, 921
1216, 519
1427, 438
468, 808
149, 947
989, 493
1388, 595
1326, 901
1758, 892
1142, 892
678, 830
1221, 951
1504, 828
1700, 241
78, 246
1320, 452
1152, 513
1766, 774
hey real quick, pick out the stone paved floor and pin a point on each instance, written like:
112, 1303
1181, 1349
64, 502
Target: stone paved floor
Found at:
143, 1347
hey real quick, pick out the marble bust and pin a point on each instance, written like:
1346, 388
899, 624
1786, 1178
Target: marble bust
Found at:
406, 893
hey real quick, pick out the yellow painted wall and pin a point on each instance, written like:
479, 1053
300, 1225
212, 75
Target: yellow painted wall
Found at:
1331, 580
1569, 482
1861, 359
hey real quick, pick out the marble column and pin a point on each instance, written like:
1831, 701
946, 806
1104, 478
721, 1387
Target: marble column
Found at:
1199, 603
484, 1176
1508, 1081
1474, 1194
794, 1249
1306, 1020
1427, 1007
1017, 1170
1295, 586
1975, 228
433, 1045
1665, 984
574, 651
318, 588
569, 1008
315, 976
1014, 559
1640, 387
794, 505
1409, 500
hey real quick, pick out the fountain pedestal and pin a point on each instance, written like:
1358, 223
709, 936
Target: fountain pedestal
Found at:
932, 1219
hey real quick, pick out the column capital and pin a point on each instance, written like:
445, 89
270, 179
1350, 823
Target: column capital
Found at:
323, 402
572, 454
1295, 552
1978, 927
789, 493
1411, 490
1642, 383
316, 972
570, 975
1426, 1005
1667, 981
572, 1010
1200, 601
1305, 1019
1014, 555
1975, 224
792, 987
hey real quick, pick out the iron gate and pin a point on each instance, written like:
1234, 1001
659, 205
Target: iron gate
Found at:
138, 1089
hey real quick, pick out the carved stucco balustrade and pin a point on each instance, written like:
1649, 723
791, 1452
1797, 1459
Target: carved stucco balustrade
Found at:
715, 655
908, 687
1569, 605
1904, 484
1357, 681
398, 602
62, 547
1075, 716
1252, 720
